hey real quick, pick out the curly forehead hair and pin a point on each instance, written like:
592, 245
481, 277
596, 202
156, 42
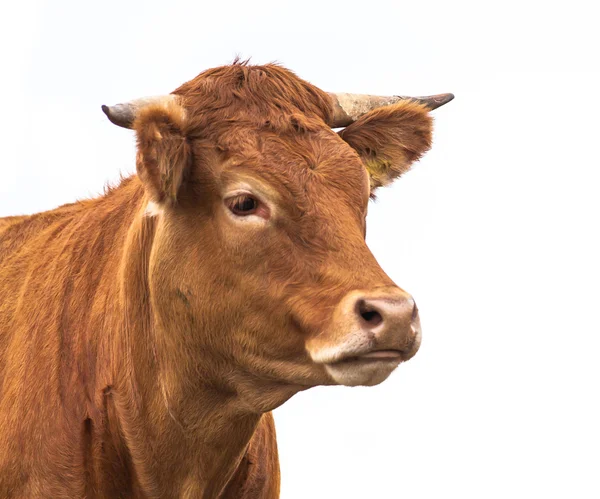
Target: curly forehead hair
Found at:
253, 93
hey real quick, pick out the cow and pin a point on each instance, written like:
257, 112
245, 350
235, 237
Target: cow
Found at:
147, 334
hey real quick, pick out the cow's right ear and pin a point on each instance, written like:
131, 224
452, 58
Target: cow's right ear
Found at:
164, 154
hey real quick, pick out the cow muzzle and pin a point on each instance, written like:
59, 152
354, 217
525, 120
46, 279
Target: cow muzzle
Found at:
371, 333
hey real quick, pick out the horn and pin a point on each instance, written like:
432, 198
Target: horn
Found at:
124, 114
349, 107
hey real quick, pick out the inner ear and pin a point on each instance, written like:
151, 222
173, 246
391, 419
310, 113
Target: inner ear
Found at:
164, 155
389, 139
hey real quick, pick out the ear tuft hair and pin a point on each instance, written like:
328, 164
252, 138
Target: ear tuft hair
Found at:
389, 139
164, 154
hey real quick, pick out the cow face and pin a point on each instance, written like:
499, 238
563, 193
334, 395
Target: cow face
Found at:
259, 267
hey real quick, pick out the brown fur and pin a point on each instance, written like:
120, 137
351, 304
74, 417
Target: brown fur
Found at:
164, 156
140, 355
390, 139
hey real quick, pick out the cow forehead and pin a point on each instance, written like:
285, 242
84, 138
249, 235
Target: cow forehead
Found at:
255, 91
317, 165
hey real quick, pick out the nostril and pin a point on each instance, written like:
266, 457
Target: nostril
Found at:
371, 316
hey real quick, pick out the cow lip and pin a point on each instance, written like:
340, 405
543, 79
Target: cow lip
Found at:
373, 356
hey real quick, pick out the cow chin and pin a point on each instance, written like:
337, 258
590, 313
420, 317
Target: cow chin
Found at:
361, 372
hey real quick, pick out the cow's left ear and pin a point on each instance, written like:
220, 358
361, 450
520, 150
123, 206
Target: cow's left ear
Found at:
164, 154
389, 139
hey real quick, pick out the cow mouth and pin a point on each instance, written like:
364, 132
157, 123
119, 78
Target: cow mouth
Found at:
372, 357
367, 369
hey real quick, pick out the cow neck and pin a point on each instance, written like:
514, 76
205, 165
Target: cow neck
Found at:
181, 434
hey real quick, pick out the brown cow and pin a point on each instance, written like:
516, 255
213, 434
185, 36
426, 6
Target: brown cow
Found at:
145, 335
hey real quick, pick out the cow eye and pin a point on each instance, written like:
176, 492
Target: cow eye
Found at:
243, 205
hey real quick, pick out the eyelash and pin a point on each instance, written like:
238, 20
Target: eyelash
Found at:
243, 205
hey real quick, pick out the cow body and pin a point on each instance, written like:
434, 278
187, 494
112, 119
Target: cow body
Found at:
146, 335
70, 415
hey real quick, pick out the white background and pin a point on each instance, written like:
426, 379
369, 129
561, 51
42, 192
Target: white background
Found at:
495, 231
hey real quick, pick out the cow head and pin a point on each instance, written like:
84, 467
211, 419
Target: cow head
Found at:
259, 267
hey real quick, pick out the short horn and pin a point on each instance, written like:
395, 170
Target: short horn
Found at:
349, 107
124, 114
